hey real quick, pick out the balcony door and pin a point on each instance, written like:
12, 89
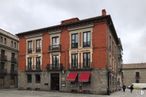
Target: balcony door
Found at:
55, 61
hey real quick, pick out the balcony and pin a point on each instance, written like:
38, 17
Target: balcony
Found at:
29, 50
3, 58
13, 60
3, 71
13, 72
74, 45
38, 50
51, 67
55, 48
30, 69
79, 68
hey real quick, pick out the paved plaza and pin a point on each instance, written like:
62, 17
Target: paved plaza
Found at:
25, 93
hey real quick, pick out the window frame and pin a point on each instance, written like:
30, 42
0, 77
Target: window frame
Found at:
29, 78
74, 61
86, 60
38, 63
38, 45
87, 39
55, 61
74, 40
37, 78
29, 63
29, 46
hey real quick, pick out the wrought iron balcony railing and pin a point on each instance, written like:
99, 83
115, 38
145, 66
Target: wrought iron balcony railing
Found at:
13, 60
3, 71
38, 50
29, 50
30, 69
55, 48
53, 67
3, 58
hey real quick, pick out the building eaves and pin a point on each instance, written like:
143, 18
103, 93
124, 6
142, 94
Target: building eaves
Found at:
64, 25
134, 66
106, 18
8, 34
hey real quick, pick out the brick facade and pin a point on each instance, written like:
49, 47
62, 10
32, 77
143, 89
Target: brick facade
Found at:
80, 46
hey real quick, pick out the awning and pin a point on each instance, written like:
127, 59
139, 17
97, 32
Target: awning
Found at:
84, 76
71, 76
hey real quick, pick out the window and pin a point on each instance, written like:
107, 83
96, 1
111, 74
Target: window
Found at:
29, 46
74, 40
38, 45
15, 45
13, 59
38, 62
5, 41
137, 76
2, 66
11, 43
110, 43
86, 39
29, 78
13, 55
1, 39
12, 67
86, 60
29, 63
55, 41
74, 61
37, 78
55, 61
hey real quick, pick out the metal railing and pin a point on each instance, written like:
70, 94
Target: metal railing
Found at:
54, 67
55, 48
3, 57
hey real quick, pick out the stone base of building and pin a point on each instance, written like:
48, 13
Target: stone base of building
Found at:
98, 83
8, 81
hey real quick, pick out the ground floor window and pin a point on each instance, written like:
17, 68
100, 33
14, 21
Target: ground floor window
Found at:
37, 78
29, 78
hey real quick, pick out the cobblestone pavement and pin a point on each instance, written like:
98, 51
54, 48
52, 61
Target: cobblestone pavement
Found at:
25, 93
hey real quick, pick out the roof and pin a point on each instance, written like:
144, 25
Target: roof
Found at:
8, 34
134, 66
106, 18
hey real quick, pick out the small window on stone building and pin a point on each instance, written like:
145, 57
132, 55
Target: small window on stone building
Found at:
1, 39
37, 78
11, 43
137, 77
29, 78
5, 41
15, 45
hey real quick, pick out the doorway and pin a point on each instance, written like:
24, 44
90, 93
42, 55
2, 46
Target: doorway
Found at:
55, 81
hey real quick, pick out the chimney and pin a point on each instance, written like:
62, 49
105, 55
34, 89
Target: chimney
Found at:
103, 12
71, 20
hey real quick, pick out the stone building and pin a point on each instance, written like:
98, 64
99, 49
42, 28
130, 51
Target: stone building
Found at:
8, 59
134, 73
76, 55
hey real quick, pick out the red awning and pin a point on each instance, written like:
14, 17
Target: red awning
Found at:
84, 76
71, 76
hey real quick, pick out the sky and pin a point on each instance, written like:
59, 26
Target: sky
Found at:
129, 18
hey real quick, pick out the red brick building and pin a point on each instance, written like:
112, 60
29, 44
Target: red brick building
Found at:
76, 55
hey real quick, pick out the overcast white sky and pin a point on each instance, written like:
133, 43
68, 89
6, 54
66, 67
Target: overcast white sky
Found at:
129, 18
